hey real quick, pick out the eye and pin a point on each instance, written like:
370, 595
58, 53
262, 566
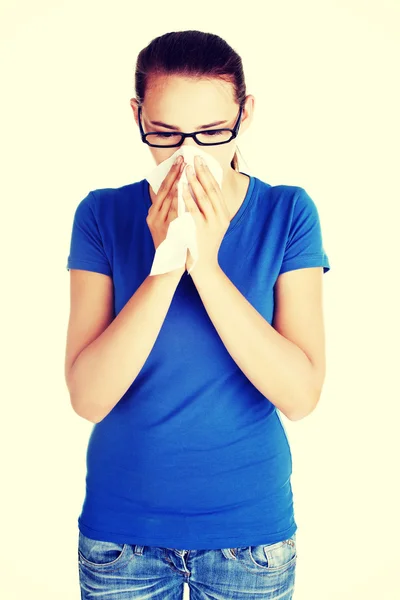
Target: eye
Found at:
213, 132
164, 135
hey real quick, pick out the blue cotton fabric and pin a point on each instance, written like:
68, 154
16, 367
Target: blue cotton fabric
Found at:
193, 456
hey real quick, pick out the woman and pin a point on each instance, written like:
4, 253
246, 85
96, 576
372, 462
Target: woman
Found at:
188, 463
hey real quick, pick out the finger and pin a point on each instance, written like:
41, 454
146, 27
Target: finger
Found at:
190, 203
171, 199
167, 202
203, 202
181, 170
209, 184
167, 183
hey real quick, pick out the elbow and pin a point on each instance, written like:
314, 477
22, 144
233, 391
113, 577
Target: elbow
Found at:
80, 406
303, 408
308, 403
83, 414
82, 409
87, 417
297, 416
93, 411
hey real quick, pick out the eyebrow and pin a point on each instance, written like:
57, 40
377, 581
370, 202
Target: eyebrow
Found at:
161, 124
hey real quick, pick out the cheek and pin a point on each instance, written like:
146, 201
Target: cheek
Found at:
161, 154
224, 154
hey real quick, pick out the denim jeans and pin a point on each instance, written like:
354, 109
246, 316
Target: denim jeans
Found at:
113, 571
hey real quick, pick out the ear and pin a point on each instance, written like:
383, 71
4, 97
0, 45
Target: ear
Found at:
247, 115
134, 105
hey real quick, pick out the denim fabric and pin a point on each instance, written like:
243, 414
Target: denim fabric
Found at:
113, 571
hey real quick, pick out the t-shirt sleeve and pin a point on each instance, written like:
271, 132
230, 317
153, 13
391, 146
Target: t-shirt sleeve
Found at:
304, 246
86, 247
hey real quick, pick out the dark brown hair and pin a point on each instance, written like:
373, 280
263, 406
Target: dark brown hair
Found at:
191, 53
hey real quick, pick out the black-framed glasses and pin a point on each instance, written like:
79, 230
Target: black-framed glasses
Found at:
206, 137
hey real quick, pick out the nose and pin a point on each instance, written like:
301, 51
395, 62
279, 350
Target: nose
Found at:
189, 142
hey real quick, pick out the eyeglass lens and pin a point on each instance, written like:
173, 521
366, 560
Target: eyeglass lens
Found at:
210, 137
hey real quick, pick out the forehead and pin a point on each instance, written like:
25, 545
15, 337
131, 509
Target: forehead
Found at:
181, 96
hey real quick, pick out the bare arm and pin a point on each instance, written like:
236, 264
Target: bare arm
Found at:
104, 370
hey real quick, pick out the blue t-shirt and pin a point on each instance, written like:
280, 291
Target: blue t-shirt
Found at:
193, 456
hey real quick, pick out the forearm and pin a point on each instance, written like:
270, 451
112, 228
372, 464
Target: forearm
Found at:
106, 368
276, 367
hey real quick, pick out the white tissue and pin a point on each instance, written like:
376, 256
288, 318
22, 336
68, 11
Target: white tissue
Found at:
171, 254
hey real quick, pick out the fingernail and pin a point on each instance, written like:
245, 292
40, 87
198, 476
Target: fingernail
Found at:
178, 159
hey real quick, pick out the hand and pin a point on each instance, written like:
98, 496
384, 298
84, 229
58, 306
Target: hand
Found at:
210, 214
165, 207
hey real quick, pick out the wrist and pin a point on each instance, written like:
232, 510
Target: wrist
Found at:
176, 274
205, 271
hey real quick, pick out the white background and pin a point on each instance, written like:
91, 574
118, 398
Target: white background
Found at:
325, 78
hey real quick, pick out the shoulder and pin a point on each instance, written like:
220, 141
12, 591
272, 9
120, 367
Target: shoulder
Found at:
282, 195
109, 208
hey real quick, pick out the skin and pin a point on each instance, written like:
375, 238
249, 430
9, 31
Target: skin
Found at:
285, 360
188, 103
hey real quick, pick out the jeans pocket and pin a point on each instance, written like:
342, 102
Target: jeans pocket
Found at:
271, 557
100, 554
